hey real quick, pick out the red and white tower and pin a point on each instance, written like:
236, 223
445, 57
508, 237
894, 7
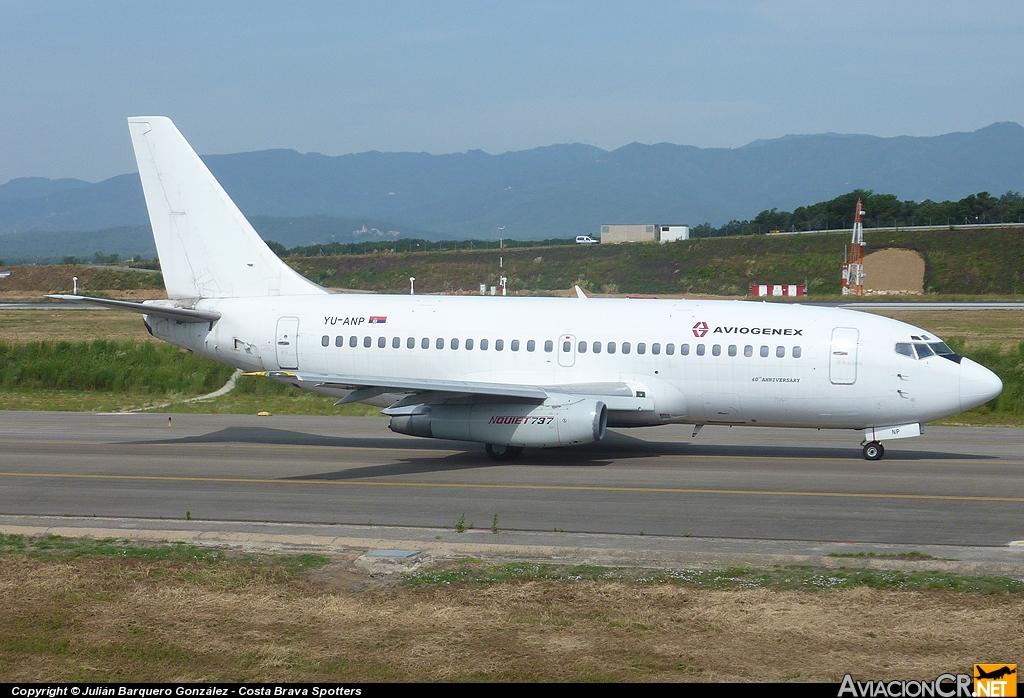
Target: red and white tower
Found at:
853, 269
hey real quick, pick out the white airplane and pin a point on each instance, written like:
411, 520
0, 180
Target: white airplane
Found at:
526, 372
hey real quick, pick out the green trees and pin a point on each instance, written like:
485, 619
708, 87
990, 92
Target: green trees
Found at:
881, 210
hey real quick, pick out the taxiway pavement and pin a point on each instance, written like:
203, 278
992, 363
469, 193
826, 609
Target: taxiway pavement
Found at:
952, 487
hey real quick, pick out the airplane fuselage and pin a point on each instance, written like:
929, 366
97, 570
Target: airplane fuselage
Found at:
700, 362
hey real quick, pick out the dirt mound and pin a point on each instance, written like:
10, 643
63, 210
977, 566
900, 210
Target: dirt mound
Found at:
894, 271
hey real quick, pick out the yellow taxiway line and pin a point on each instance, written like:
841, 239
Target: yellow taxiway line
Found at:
573, 488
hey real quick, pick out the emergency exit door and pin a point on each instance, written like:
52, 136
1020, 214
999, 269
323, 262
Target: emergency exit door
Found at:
287, 342
567, 350
842, 360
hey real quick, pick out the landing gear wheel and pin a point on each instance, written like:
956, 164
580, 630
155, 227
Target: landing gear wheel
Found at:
501, 452
873, 451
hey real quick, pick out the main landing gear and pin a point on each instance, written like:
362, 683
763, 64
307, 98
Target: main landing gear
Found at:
500, 452
873, 451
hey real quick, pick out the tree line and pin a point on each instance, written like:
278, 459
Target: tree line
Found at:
881, 210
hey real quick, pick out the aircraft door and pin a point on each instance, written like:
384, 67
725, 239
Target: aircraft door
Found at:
287, 342
566, 350
842, 363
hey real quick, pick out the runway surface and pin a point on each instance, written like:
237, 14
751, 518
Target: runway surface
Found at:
953, 486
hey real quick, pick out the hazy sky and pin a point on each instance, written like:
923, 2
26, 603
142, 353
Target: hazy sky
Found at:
339, 77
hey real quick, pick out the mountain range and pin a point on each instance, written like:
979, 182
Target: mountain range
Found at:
552, 191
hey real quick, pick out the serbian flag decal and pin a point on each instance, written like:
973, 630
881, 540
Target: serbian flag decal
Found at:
378, 319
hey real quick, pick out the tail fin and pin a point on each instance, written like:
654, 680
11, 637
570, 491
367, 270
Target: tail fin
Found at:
207, 248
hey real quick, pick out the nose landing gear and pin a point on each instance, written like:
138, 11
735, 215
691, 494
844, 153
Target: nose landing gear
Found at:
873, 451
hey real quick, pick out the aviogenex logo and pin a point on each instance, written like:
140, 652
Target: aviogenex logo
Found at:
701, 328
995, 679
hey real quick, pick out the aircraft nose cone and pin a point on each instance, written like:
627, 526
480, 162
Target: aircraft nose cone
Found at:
978, 385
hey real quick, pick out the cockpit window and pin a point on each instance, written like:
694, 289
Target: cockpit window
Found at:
919, 350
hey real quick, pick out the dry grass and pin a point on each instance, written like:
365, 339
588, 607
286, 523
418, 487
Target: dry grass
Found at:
21, 326
137, 620
1002, 327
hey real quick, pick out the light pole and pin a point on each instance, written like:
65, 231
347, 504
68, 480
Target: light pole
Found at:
412, 285
501, 259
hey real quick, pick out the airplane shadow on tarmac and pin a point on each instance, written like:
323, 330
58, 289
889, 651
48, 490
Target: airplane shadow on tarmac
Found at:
614, 447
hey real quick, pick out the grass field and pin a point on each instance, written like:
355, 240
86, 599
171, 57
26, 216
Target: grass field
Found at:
81, 610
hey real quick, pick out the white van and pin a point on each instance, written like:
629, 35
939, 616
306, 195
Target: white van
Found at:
585, 240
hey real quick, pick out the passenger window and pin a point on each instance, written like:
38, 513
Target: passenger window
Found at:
396, 342
439, 343
367, 341
924, 351
514, 346
353, 341
797, 352
499, 344
641, 348
582, 347
410, 343
780, 352
454, 343
700, 350
764, 352
611, 347
425, 343
748, 351
469, 344
549, 346
566, 347
382, 342
625, 347
531, 345
716, 350
655, 348
483, 345
597, 347
732, 350
684, 349
670, 349
905, 348
339, 341
325, 341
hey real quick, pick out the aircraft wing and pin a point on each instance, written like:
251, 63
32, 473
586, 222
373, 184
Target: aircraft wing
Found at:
618, 396
164, 311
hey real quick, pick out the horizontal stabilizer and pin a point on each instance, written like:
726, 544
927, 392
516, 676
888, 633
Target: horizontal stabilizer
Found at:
149, 308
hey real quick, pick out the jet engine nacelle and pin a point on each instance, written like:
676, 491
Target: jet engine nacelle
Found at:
508, 424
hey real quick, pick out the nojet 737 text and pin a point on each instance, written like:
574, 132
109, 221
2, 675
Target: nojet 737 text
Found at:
526, 372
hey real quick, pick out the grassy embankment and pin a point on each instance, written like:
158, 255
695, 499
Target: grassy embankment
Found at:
978, 262
106, 376
84, 610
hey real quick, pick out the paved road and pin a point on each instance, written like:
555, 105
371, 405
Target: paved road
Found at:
953, 486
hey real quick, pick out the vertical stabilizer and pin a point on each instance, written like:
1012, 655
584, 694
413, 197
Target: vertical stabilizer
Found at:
206, 246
